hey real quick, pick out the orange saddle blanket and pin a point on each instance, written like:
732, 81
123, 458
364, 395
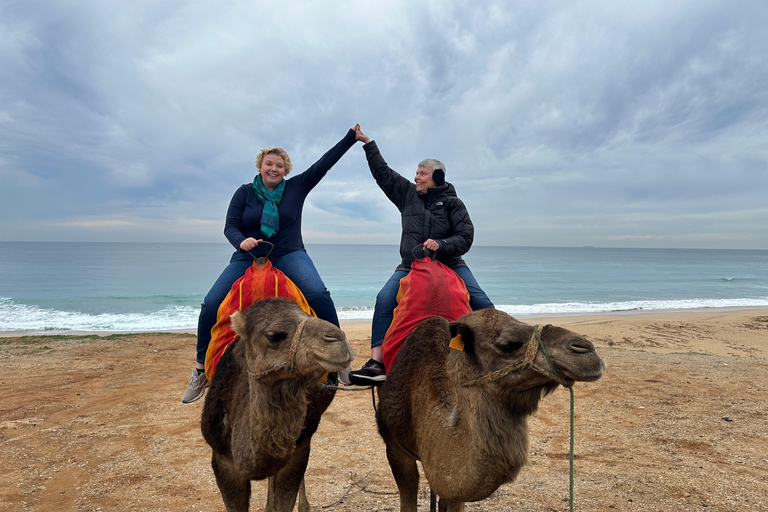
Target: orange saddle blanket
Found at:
261, 281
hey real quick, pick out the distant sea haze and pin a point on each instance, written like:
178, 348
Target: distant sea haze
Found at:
133, 287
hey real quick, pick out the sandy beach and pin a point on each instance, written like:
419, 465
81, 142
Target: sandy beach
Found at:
677, 423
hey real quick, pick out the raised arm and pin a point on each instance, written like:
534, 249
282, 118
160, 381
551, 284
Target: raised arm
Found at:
394, 186
318, 170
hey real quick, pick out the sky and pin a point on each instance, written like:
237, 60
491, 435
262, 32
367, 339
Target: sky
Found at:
560, 123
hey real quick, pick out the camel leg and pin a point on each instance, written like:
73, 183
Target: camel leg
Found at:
235, 491
284, 486
303, 502
406, 475
450, 506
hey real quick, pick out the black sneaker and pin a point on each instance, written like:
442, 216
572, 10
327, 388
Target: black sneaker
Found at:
372, 372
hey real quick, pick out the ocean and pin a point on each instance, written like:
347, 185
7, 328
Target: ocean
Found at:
135, 287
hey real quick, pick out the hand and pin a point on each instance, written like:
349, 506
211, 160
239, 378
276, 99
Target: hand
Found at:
249, 243
431, 245
359, 135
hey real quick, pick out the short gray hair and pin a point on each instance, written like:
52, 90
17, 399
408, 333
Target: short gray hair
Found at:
431, 162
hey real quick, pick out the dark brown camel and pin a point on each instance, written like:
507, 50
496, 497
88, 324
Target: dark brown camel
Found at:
464, 412
265, 401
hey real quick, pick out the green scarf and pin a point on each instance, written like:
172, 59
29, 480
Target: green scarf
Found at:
270, 219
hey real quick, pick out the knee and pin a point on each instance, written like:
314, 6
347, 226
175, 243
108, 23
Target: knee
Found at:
206, 308
210, 305
480, 302
387, 295
381, 297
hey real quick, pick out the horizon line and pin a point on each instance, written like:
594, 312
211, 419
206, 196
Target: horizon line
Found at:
396, 245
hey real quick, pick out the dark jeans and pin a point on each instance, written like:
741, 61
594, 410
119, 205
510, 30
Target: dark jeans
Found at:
386, 301
297, 266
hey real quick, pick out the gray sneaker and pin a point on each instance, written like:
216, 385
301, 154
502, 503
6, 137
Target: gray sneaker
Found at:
195, 388
343, 376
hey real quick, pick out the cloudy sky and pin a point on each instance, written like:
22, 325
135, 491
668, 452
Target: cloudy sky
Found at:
560, 123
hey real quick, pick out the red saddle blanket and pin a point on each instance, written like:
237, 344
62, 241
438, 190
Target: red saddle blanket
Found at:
261, 281
430, 289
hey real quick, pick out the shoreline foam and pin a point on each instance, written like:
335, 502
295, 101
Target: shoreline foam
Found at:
561, 318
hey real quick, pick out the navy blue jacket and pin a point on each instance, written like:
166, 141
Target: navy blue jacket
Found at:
244, 213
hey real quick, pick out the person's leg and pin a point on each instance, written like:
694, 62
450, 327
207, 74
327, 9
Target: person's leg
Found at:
211, 303
298, 267
205, 322
373, 372
383, 311
477, 297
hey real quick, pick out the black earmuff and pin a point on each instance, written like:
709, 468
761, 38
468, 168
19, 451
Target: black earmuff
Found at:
438, 176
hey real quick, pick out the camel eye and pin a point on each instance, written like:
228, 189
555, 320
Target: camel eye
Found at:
275, 337
508, 346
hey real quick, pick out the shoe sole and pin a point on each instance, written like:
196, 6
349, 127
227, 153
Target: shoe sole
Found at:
364, 381
198, 397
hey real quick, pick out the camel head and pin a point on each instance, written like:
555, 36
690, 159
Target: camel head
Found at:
284, 341
496, 342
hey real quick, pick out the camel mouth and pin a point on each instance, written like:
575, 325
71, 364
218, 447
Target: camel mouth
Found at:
583, 376
333, 364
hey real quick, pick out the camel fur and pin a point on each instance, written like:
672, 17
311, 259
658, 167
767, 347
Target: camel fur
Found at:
443, 406
265, 401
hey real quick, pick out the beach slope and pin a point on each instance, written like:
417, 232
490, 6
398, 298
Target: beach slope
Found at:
677, 423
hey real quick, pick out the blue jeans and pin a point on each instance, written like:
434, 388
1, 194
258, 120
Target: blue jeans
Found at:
296, 265
386, 301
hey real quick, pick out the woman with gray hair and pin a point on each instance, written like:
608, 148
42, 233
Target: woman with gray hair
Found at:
433, 217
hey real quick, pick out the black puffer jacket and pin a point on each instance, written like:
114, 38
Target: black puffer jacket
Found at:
437, 214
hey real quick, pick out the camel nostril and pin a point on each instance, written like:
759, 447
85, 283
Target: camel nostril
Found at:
330, 339
581, 349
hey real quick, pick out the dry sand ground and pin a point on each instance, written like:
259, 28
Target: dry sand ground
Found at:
677, 423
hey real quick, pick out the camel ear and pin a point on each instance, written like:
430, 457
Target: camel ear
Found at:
237, 319
467, 336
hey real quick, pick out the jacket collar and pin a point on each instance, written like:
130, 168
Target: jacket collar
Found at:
440, 190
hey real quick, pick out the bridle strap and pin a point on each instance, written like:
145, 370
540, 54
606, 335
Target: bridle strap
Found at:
527, 362
295, 347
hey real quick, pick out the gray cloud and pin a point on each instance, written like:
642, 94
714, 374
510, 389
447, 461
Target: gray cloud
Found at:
588, 124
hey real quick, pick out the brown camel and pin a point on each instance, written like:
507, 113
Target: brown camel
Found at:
265, 401
464, 413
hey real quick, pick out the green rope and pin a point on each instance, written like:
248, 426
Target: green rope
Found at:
570, 388
571, 457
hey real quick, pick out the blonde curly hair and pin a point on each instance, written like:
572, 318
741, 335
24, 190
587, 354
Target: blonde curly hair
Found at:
275, 151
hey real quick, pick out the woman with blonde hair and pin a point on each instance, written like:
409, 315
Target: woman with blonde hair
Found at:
269, 209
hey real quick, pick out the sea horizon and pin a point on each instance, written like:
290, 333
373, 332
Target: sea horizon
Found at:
116, 287
474, 246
